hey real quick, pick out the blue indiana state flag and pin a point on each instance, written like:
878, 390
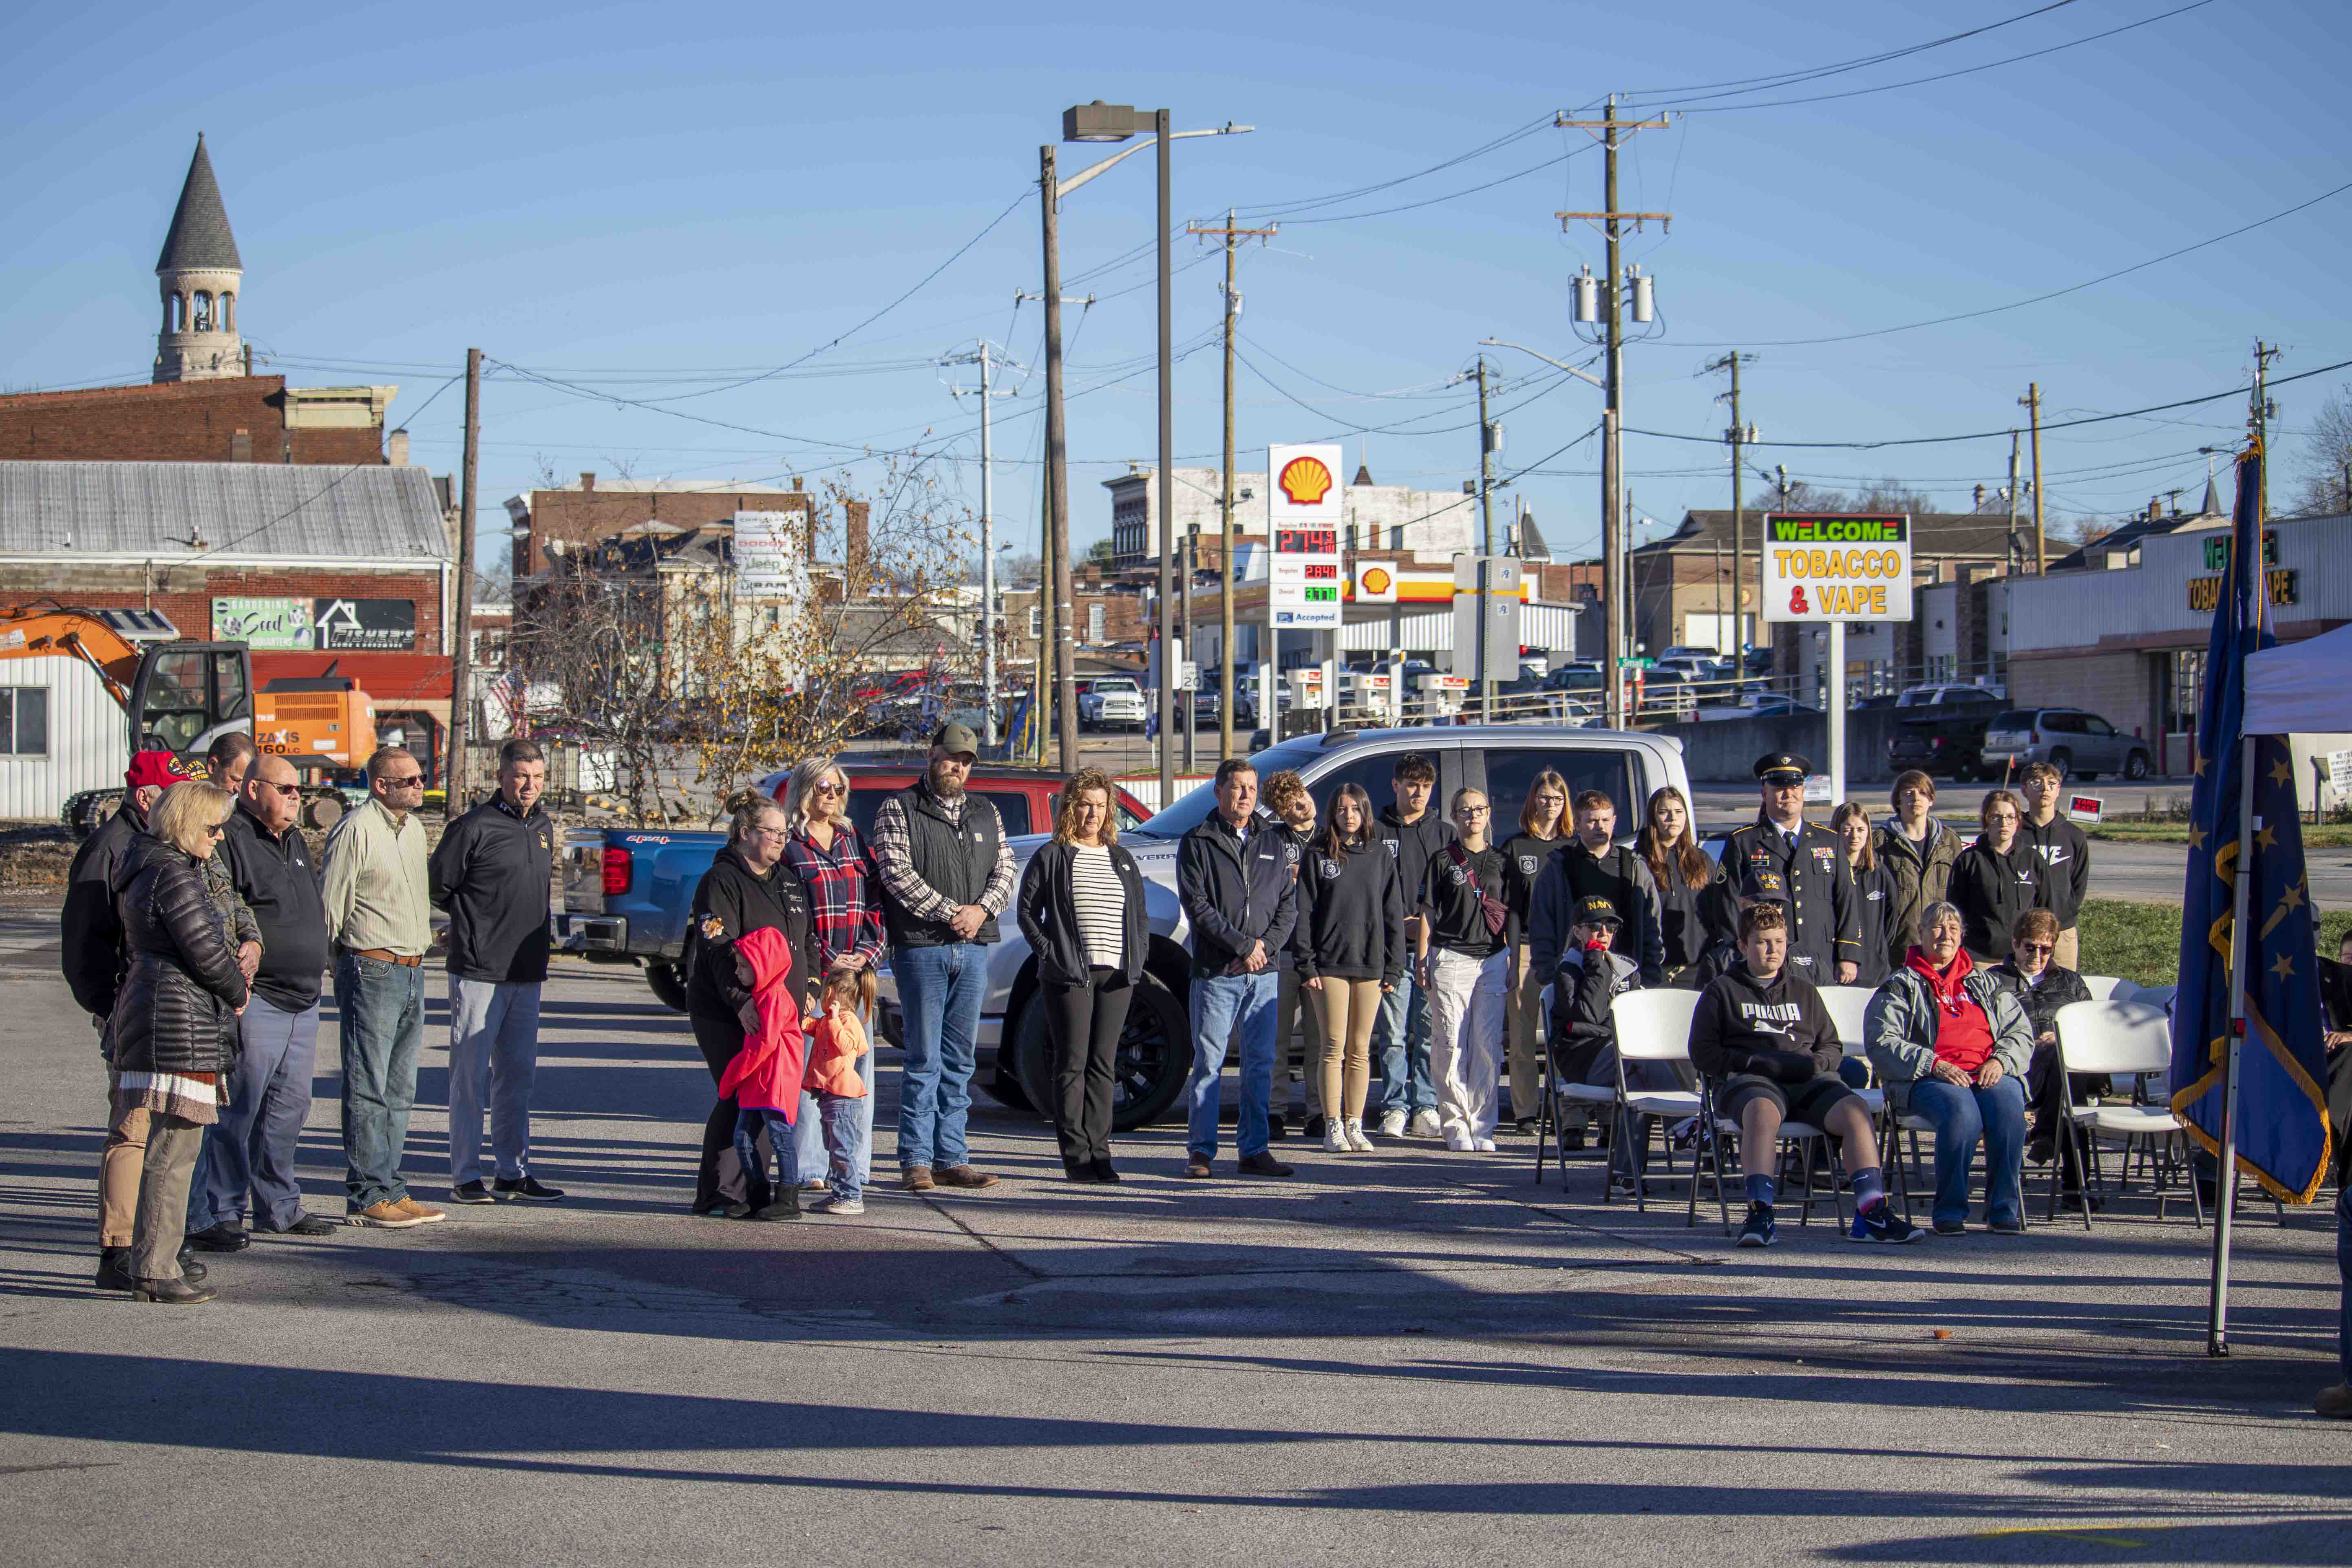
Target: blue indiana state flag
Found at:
1021, 729
2281, 1131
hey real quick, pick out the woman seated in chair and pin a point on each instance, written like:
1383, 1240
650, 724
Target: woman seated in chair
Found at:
1951, 1043
2042, 985
1764, 1038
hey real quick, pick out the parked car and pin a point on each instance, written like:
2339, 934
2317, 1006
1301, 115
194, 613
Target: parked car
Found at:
625, 891
1155, 1054
1949, 747
1756, 705
2079, 745
1209, 700
1113, 702
1692, 650
1939, 694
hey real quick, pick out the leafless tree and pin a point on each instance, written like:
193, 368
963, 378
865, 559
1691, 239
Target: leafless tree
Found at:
2327, 468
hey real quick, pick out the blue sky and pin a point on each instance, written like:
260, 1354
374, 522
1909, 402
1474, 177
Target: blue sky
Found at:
656, 201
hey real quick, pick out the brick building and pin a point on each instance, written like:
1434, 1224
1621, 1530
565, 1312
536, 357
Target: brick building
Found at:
1379, 517
594, 511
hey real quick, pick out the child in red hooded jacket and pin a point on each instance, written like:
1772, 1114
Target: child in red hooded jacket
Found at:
836, 1042
764, 1078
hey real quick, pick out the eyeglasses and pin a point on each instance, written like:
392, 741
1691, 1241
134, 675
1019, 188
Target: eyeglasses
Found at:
771, 833
2037, 947
1473, 811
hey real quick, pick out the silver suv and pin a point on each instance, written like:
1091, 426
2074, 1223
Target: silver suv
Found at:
1112, 701
2078, 744
1155, 1053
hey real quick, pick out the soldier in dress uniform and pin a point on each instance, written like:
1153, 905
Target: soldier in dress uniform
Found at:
1823, 925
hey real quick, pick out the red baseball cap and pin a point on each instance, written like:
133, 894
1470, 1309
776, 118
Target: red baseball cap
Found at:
162, 769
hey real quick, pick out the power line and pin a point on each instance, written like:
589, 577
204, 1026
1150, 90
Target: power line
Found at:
1790, 78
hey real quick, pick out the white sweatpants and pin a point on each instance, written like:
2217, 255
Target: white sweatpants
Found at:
1466, 1000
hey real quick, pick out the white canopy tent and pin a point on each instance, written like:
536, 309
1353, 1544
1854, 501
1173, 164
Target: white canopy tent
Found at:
2302, 688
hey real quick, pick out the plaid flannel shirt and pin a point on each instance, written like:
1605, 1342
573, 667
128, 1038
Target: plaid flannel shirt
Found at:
842, 882
894, 854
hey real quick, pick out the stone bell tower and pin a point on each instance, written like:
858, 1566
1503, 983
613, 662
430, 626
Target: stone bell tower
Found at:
201, 275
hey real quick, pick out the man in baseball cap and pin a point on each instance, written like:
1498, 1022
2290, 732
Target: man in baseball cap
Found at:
158, 771
958, 739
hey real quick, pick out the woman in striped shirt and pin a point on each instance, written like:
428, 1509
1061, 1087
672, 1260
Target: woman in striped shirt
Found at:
1081, 908
845, 898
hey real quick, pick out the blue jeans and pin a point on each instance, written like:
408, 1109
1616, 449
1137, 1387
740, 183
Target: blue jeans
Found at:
380, 1021
939, 991
818, 1144
748, 1124
1219, 1002
250, 1153
493, 1057
1401, 1038
1963, 1117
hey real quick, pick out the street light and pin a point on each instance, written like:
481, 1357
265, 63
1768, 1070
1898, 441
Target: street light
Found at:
1101, 122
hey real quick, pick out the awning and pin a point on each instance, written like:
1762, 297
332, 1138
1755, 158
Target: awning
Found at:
2301, 688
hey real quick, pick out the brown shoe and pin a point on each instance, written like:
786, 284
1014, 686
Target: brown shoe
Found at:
386, 1215
424, 1214
2335, 1401
1198, 1170
966, 1176
917, 1179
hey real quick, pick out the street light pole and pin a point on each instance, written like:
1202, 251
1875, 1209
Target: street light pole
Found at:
1055, 586
1168, 545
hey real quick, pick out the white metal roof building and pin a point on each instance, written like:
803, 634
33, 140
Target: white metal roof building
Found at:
226, 512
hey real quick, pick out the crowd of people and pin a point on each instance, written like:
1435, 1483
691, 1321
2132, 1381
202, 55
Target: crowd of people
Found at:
1438, 966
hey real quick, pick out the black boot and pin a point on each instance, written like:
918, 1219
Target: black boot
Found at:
191, 1271
114, 1268
171, 1292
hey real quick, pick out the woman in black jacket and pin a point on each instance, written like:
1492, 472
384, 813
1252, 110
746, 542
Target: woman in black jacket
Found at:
174, 1027
1081, 908
1996, 879
747, 888
1876, 890
1350, 948
1543, 828
2043, 986
1696, 908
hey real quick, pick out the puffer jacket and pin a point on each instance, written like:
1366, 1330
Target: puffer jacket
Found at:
177, 1012
1900, 1027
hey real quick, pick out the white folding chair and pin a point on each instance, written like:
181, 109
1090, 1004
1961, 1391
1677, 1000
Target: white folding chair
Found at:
1847, 1004
1652, 1027
2119, 1040
2107, 988
1552, 1125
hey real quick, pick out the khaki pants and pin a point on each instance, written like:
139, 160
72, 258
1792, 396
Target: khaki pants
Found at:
1345, 1011
118, 1169
2069, 951
160, 1212
1523, 1018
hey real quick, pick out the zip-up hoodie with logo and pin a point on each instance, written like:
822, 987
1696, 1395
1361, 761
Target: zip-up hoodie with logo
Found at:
1741, 1019
2065, 851
1237, 888
1350, 916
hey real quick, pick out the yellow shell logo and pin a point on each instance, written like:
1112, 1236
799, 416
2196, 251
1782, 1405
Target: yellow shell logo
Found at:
1306, 481
1376, 580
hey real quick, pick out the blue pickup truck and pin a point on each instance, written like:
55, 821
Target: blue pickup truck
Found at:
625, 891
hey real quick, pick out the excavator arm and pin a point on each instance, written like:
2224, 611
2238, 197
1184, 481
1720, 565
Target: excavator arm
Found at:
49, 631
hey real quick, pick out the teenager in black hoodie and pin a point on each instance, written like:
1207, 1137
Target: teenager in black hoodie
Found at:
1696, 906
1876, 892
1543, 828
1350, 951
1413, 831
1996, 878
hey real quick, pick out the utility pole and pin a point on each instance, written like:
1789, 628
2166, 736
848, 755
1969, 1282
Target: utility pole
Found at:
461, 647
1485, 546
982, 356
2032, 401
1057, 481
2013, 552
2258, 423
1612, 416
1739, 436
1167, 484
1184, 697
1230, 234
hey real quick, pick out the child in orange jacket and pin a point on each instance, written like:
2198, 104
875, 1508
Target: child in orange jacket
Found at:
834, 1043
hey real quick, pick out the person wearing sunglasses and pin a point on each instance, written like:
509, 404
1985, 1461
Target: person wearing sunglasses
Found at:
837, 870
379, 920
2042, 985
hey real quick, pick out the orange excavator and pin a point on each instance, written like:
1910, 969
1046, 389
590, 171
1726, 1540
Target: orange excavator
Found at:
179, 695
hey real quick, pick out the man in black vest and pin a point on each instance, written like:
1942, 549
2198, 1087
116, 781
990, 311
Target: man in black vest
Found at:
1824, 927
946, 874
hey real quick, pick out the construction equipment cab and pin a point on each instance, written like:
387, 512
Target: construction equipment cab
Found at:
80, 690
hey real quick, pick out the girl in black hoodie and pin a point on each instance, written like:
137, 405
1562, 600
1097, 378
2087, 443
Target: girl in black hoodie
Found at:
1696, 908
1543, 827
1875, 891
1349, 947
1996, 879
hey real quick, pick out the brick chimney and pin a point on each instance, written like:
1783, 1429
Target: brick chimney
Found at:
588, 479
395, 450
853, 537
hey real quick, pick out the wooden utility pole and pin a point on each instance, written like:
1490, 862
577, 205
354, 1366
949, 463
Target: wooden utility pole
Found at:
1485, 549
1611, 129
1055, 588
1225, 573
1738, 437
2032, 401
461, 644
2259, 425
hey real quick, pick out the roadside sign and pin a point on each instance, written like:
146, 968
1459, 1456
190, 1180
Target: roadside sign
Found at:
1188, 676
2083, 808
1375, 584
1836, 567
1305, 511
1817, 790
2339, 770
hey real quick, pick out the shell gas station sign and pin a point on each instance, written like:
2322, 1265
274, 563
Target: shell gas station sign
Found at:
1836, 568
1306, 509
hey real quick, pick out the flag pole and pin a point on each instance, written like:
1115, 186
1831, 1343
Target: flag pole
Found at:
2225, 1188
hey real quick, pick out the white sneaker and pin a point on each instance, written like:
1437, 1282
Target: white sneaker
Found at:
1392, 1124
1483, 1146
1335, 1136
1426, 1125
838, 1205
1459, 1143
1356, 1141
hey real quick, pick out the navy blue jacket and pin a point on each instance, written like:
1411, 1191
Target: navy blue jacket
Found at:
1235, 891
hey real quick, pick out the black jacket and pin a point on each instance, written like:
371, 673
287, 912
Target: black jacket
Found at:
89, 942
1746, 1024
1582, 1021
2065, 851
1524, 854
1821, 921
1622, 877
1991, 890
279, 883
1692, 920
177, 1009
1413, 843
1457, 880
2058, 987
1235, 891
1877, 893
731, 902
1351, 917
494, 871
1047, 909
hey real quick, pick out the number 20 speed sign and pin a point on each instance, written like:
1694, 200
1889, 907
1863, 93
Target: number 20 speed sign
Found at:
1836, 568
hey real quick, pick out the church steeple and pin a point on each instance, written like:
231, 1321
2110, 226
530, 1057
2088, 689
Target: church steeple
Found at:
201, 275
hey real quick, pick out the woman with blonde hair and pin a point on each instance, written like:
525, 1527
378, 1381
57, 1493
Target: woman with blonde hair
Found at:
1081, 908
1543, 828
1697, 908
174, 1028
837, 866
